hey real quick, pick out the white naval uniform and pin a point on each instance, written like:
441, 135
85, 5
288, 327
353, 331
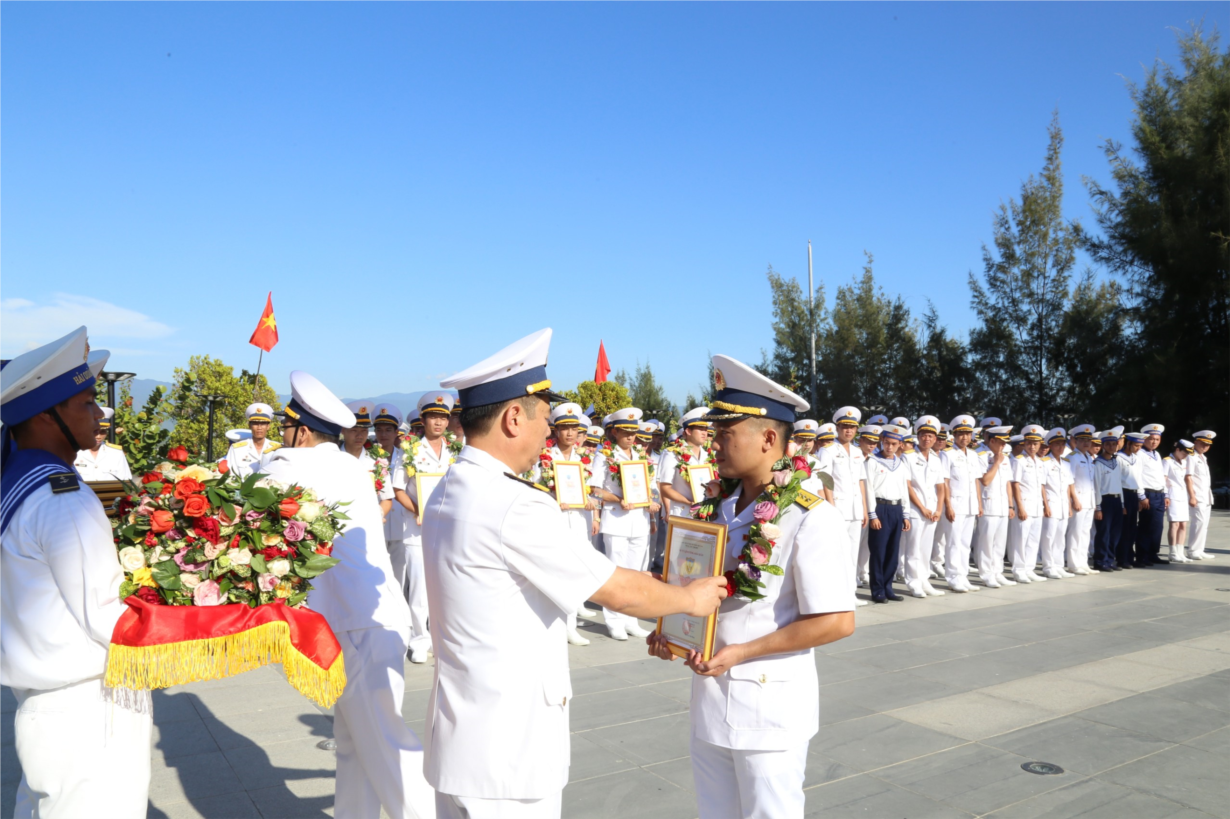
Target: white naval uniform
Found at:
1084, 480
1024, 536
926, 473
578, 520
991, 531
379, 759
243, 458
408, 554
751, 726
625, 533
962, 470
1057, 477
1202, 491
385, 492
672, 472
109, 464
502, 573
848, 470
1176, 490
60, 580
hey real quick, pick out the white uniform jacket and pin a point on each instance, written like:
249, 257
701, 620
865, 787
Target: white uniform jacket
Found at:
773, 703
847, 469
1198, 470
1106, 471
578, 520
995, 501
1057, 477
243, 458
615, 519
1152, 471
1130, 470
963, 469
1176, 485
1027, 473
385, 491
887, 480
926, 473
59, 590
426, 462
1084, 479
672, 472
359, 592
502, 572
109, 465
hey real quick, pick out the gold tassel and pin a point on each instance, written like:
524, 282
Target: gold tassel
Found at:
161, 666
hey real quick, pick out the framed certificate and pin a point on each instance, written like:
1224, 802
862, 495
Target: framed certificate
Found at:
425, 483
698, 477
570, 488
694, 549
634, 478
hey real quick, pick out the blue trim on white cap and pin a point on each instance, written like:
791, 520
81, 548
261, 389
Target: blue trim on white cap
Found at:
47, 395
776, 410
505, 389
300, 415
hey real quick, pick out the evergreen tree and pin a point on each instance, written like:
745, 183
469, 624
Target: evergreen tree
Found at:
605, 398
188, 409
647, 394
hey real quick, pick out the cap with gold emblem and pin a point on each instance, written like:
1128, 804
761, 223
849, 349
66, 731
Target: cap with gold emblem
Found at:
743, 392
362, 413
518, 370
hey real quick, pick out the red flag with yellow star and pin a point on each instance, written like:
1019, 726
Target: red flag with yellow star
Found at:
265, 335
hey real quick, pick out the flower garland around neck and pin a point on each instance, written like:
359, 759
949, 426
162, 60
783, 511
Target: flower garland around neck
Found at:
761, 539
380, 472
546, 465
683, 452
637, 454
410, 445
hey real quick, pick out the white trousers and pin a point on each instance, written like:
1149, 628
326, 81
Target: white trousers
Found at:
1198, 528
854, 535
399, 556
1025, 536
416, 594
864, 554
1077, 539
626, 553
379, 759
958, 534
917, 551
735, 784
473, 807
990, 544
81, 756
1052, 542
939, 546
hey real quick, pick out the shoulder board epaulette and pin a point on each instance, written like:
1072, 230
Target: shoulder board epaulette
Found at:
1167, 458
1019, 457
115, 446
239, 444
272, 445
806, 499
63, 482
1046, 457
531, 484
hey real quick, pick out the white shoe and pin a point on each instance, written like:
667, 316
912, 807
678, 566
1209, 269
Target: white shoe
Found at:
1095, 571
1004, 581
1080, 571
937, 571
418, 657
617, 633
587, 613
1065, 573
635, 630
970, 587
957, 588
862, 584
859, 602
1021, 578
575, 638
1037, 578
932, 591
917, 591
1200, 557
991, 584
1051, 574
1180, 560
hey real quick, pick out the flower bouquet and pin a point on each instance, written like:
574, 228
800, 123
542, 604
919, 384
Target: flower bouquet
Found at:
216, 574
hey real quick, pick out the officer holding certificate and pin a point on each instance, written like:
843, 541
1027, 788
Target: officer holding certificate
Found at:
756, 702
503, 571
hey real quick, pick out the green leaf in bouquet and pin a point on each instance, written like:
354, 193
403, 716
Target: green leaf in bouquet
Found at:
242, 571
228, 509
248, 483
323, 529
316, 565
258, 564
127, 589
225, 586
771, 569
154, 488
166, 575
296, 598
262, 498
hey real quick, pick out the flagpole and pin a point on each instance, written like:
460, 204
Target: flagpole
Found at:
256, 378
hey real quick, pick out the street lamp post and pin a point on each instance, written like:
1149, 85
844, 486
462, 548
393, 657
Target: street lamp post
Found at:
211, 401
112, 379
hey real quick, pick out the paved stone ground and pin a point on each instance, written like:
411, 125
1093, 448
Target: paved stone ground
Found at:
928, 711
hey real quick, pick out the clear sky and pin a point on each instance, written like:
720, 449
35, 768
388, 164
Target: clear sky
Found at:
422, 184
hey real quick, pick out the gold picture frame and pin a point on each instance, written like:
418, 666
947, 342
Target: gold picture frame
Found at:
424, 484
697, 479
569, 481
634, 481
694, 549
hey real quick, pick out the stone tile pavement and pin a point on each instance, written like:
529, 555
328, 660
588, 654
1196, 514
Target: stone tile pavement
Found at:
928, 710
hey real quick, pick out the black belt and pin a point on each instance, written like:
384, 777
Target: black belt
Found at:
889, 502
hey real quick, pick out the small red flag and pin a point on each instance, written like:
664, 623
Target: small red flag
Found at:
604, 367
265, 335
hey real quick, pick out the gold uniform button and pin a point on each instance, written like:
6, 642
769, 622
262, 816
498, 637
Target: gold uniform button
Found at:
565, 702
764, 678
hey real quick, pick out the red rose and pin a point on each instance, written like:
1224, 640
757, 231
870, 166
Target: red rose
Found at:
150, 540
324, 549
178, 454
207, 528
195, 506
800, 464
160, 520
223, 467
288, 508
730, 584
379, 484
166, 489
151, 477
150, 595
187, 487
545, 457
585, 459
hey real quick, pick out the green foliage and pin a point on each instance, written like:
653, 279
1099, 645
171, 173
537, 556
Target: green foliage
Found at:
143, 433
1165, 223
606, 398
210, 376
646, 393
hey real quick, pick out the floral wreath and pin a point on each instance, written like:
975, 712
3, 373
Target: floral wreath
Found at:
638, 454
410, 450
761, 539
683, 455
380, 472
546, 465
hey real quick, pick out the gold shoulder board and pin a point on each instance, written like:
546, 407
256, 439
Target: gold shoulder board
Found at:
239, 444
527, 483
114, 446
273, 445
806, 499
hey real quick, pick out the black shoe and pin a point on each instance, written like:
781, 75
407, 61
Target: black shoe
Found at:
896, 598
878, 599
1125, 565
1161, 561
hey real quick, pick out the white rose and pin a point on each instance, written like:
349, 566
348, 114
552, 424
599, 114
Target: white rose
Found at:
770, 530
308, 512
190, 581
279, 567
270, 483
132, 558
240, 557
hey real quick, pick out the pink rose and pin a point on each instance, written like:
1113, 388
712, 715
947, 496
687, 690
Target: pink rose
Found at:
175, 534
189, 567
207, 594
782, 477
294, 531
212, 550
765, 511
266, 582
759, 555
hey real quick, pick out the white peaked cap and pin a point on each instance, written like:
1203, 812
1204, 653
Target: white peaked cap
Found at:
314, 406
36, 381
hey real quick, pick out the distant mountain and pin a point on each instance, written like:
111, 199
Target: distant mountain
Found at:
404, 401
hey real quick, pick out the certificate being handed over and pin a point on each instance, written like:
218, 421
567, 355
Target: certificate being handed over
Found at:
425, 483
569, 484
634, 478
699, 477
694, 549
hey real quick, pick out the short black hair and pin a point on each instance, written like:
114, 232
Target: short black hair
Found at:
479, 420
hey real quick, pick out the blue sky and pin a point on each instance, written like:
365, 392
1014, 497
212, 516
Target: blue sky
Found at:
421, 184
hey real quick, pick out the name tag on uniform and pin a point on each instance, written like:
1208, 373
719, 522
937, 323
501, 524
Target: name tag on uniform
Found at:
64, 482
